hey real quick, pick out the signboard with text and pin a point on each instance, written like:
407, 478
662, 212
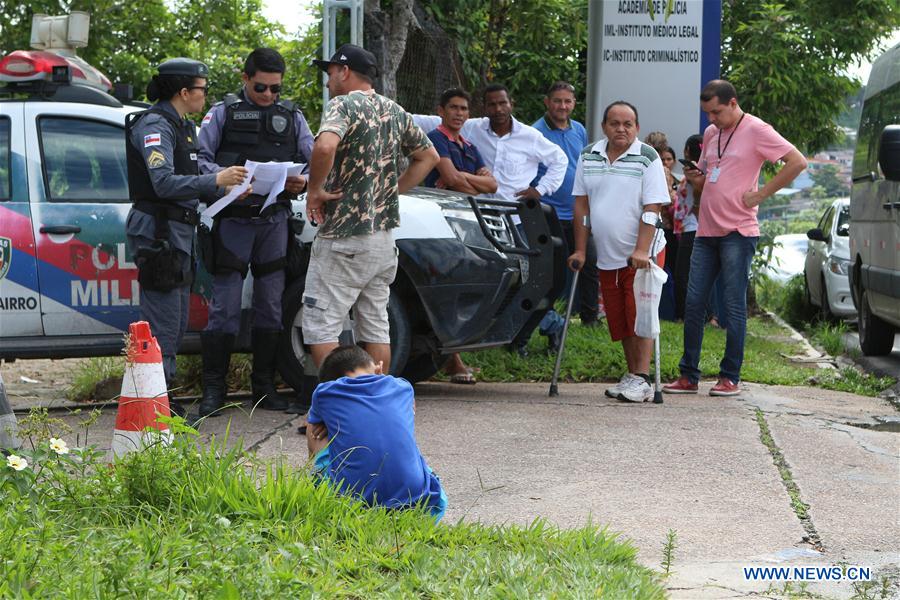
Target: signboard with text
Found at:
657, 55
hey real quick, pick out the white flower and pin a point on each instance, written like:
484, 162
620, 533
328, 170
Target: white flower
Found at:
59, 446
16, 462
223, 522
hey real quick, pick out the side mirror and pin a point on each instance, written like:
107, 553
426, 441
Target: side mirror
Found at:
816, 235
889, 153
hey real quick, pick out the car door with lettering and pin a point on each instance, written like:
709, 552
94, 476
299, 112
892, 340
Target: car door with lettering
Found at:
79, 200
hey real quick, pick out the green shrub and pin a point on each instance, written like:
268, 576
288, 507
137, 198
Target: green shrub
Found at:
92, 372
829, 336
787, 301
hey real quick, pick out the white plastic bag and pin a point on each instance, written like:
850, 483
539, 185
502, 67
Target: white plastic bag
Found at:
648, 284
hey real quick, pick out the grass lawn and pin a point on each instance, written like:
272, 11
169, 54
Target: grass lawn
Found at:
591, 355
175, 522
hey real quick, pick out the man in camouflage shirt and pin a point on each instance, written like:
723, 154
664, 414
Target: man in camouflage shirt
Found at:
353, 192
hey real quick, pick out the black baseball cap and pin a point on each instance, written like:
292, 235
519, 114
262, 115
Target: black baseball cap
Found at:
349, 55
183, 66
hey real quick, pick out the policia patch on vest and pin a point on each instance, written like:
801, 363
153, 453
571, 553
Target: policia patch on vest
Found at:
156, 159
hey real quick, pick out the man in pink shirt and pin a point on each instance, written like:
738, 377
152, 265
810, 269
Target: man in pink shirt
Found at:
735, 147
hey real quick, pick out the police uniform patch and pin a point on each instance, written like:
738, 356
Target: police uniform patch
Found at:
279, 123
152, 139
246, 115
156, 159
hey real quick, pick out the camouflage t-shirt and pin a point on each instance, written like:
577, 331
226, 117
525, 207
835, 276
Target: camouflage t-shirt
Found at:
375, 133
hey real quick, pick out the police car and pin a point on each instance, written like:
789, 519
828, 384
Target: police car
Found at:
68, 286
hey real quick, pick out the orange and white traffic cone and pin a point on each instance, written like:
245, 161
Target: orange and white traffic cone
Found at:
143, 397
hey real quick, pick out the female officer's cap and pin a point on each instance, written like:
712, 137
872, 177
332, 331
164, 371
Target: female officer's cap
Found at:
183, 66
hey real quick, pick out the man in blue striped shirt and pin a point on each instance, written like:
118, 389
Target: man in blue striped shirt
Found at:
557, 126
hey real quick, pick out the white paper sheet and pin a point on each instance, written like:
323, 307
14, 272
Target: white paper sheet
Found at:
267, 179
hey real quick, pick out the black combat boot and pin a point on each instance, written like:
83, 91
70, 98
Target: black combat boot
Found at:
264, 343
216, 352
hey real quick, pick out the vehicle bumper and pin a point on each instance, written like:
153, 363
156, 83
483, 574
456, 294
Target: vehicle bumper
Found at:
840, 300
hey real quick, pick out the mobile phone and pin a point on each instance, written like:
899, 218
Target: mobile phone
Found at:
689, 164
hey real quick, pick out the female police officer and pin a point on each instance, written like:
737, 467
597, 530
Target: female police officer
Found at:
164, 185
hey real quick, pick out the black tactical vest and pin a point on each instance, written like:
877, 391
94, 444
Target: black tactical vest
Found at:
257, 133
140, 189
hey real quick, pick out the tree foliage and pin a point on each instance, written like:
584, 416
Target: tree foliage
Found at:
524, 44
828, 178
789, 60
128, 40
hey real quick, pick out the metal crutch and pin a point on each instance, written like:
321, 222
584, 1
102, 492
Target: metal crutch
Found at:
554, 391
657, 391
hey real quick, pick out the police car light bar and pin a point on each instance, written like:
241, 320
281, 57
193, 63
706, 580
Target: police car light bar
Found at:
33, 65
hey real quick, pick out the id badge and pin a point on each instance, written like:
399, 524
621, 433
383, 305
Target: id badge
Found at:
714, 175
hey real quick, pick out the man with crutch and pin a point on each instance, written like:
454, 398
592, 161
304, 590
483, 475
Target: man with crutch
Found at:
619, 188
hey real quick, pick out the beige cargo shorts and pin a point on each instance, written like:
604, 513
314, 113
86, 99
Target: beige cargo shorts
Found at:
344, 273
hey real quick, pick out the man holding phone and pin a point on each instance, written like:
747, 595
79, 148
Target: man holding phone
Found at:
735, 146
689, 164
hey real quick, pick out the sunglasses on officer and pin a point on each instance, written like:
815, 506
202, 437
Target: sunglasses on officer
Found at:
260, 88
204, 88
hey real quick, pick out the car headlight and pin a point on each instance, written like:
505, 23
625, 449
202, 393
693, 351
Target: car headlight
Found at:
838, 266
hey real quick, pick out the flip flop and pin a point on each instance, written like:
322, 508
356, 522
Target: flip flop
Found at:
463, 378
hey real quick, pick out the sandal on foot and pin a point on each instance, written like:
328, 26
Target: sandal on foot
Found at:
463, 378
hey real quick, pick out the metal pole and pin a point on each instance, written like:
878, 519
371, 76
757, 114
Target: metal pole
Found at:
594, 101
330, 10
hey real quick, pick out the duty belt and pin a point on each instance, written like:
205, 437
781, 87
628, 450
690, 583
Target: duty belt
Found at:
251, 211
187, 216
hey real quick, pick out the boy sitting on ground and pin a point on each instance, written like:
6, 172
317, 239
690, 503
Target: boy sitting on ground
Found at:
361, 433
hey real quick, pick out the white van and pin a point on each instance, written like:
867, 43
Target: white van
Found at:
875, 209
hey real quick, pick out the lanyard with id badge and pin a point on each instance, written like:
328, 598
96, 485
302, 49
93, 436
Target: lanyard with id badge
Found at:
716, 170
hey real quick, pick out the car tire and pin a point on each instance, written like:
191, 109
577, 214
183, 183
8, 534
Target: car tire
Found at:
401, 333
825, 307
876, 337
423, 367
292, 355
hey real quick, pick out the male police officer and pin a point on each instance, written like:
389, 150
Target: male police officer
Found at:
164, 183
257, 125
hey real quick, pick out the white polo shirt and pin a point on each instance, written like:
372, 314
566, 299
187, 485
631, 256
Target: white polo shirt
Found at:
617, 194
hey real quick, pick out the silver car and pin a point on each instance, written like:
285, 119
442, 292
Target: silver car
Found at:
827, 262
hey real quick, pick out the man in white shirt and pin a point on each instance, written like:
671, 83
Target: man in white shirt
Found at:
512, 151
620, 184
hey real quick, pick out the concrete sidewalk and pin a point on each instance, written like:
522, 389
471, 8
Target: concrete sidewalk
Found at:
696, 465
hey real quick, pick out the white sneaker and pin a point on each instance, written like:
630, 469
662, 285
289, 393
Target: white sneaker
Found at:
637, 390
614, 390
